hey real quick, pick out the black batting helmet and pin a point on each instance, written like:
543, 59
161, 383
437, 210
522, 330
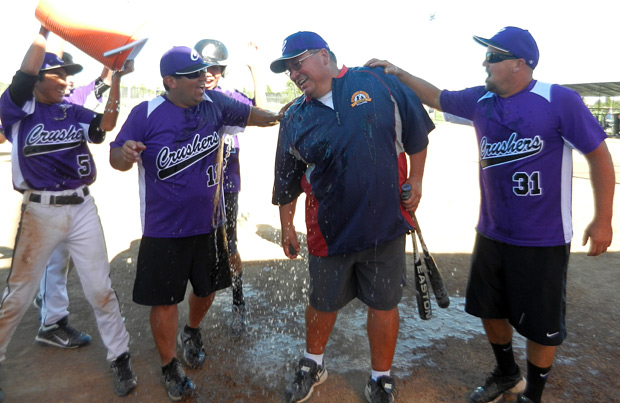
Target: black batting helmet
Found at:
212, 51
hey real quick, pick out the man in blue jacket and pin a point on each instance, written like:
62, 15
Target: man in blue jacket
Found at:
345, 144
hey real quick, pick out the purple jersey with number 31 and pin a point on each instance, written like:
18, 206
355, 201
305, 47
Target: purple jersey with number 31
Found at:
525, 147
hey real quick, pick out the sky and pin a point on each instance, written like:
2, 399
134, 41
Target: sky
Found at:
430, 39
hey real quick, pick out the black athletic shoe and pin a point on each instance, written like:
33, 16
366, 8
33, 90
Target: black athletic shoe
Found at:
308, 374
496, 385
521, 398
125, 380
193, 354
60, 334
381, 391
237, 323
177, 384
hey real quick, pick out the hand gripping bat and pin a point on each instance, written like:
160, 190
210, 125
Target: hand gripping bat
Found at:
434, 276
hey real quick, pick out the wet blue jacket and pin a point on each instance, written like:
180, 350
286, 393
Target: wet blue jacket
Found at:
351, 160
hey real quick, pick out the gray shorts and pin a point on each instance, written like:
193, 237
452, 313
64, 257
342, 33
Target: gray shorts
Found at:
375, 276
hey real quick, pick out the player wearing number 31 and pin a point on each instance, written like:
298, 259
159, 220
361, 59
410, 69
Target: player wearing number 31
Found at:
526, 131
176, 139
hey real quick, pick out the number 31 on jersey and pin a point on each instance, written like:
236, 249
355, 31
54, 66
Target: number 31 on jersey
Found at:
526, 184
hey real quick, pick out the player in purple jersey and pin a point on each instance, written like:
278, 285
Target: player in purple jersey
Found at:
52, 167
345, 144
215, 54
52, 299
176, 141
526, 131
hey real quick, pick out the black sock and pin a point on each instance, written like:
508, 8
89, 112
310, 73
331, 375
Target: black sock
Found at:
505, 359
190, 330
536, 379
237, 289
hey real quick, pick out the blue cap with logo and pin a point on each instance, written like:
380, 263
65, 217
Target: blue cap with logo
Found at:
296, 44
181, 60
52, 61
516, 41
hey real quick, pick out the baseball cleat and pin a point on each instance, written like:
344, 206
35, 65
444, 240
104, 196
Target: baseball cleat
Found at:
125, 380
496, 385
308, 374
382, 390
237, 325
190, 341
60, 334
177, 384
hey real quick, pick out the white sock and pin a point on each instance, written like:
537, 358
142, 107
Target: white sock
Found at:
316, 358
378, 374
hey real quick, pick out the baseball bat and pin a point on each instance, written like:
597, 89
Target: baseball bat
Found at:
423, 296
434, 276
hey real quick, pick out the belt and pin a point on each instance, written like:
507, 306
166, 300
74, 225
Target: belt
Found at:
61, 200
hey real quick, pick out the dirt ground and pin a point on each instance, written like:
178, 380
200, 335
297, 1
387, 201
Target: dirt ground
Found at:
439, 360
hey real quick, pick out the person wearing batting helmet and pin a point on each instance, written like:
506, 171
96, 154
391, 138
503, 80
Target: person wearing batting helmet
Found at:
215, 54
526, 131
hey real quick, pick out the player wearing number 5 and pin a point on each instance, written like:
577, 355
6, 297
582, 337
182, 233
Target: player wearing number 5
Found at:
176, 139
53, 167
526, 131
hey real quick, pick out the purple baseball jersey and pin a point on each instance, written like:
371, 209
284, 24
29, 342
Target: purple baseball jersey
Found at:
525, 145
232, 169
180, 169
50, 150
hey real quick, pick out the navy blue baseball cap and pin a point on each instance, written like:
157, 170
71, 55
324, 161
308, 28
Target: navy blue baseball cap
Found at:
516, 41
52, 61
181, 60
296, 44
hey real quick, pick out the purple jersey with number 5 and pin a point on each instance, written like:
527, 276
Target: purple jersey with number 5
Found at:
525, 147
180, 169
50, 150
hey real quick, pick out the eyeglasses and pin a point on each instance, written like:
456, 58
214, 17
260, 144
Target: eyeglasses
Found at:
499, 57
191, 76
297, 65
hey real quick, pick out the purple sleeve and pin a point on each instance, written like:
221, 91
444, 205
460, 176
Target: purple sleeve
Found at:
461, 103
234, 113
133, 128
79, 95
240, 97
577, 124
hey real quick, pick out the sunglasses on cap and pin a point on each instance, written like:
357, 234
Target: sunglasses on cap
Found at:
191, 76
499, 57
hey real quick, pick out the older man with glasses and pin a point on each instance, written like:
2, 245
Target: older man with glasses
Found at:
176, 141
526, 130
345, 144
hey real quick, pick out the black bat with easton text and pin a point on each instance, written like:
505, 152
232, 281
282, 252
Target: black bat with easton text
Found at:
434, 276
423, 295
